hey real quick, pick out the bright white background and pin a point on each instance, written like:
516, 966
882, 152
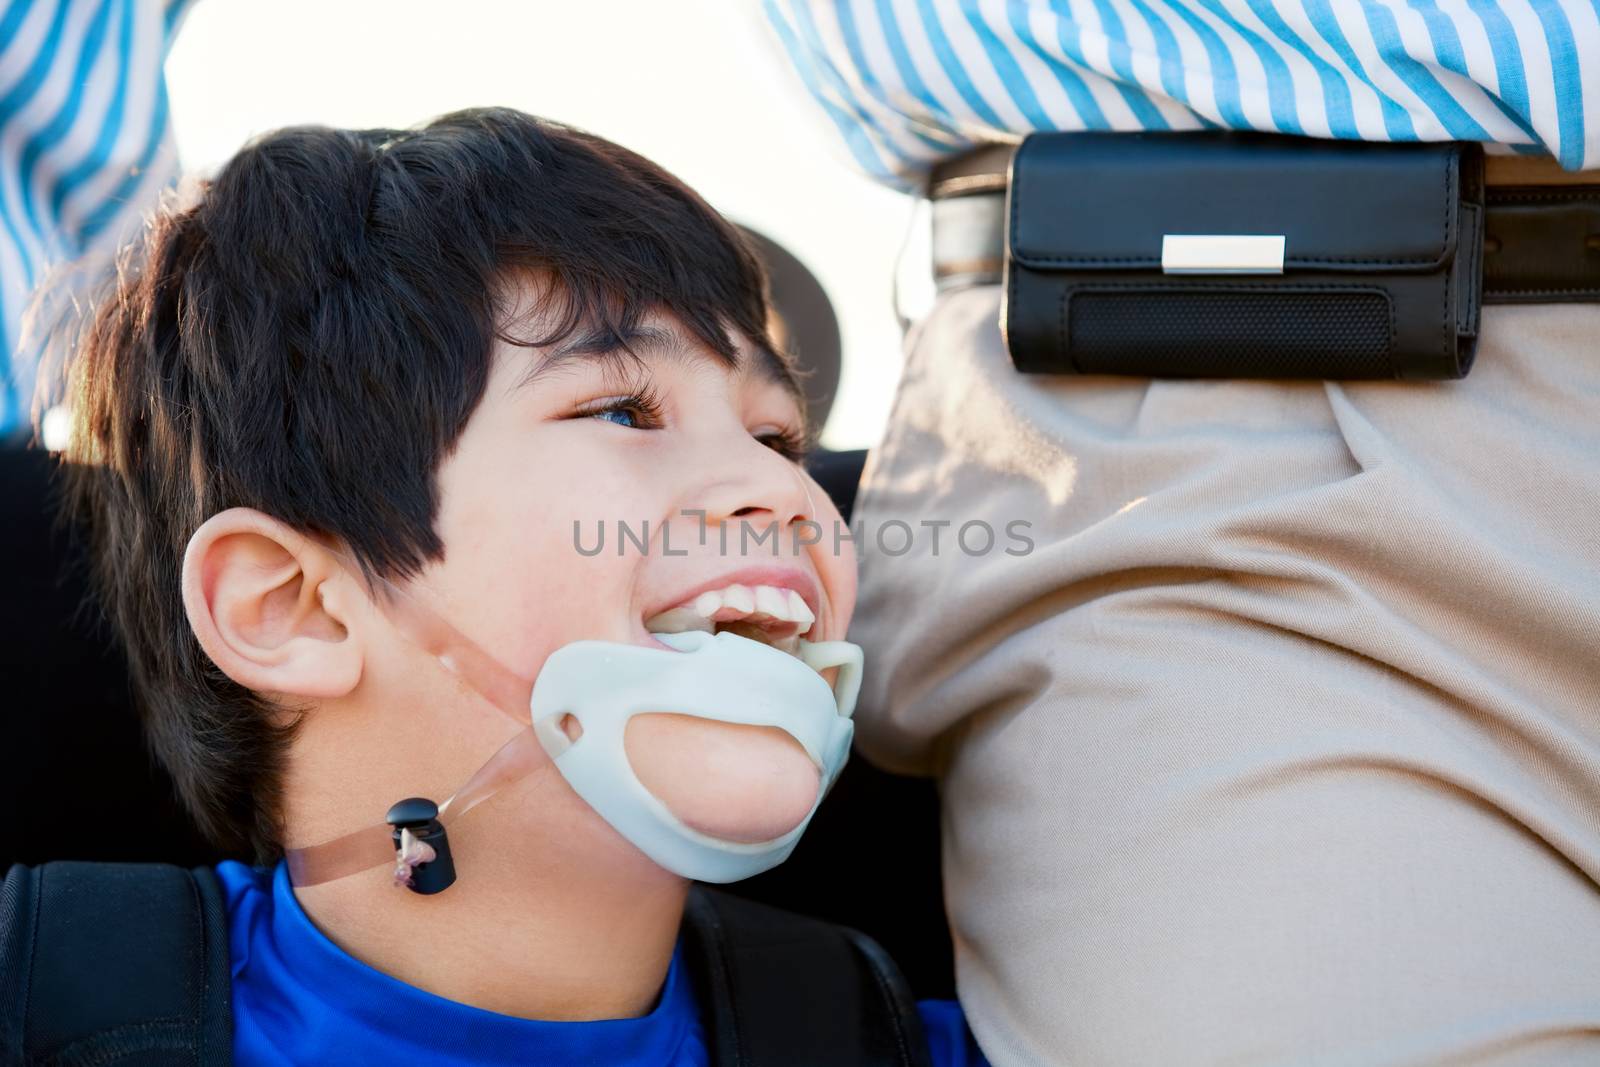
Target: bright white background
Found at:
697, 85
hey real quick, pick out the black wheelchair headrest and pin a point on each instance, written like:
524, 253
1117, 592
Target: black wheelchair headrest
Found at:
81, 781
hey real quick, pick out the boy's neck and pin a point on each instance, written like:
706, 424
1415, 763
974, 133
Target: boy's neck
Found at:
525, 931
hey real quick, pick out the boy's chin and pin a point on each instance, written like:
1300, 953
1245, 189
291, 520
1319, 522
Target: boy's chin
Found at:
737, 783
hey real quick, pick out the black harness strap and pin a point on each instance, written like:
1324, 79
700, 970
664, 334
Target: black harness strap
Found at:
114, 964
784, 990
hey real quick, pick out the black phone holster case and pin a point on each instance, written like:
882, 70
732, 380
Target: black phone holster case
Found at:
1240, 255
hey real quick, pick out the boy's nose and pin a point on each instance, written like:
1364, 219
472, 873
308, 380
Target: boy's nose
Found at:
754, 484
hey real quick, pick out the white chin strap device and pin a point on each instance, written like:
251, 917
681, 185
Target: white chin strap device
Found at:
722, 677
603, 684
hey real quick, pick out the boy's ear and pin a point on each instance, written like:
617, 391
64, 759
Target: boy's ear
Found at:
275, 610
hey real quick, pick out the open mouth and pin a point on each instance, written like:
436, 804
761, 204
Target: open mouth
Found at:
766, 613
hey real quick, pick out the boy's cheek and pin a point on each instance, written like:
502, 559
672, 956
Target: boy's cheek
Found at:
737, 783
834, 557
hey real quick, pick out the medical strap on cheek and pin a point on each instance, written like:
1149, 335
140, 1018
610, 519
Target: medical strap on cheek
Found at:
413, 836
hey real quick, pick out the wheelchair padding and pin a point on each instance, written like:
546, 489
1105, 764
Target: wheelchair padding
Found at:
78, 781
114, 964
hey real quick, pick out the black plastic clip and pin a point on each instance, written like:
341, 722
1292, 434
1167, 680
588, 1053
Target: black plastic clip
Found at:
421, 816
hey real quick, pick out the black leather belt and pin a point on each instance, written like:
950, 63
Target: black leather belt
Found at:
1541, 243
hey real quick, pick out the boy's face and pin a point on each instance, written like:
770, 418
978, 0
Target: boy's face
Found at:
569, 451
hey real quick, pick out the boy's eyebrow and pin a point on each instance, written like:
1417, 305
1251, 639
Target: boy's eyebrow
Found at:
647, 340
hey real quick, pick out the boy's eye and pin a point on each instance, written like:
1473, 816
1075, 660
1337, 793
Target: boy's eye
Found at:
641, 411
622, 416
786, 443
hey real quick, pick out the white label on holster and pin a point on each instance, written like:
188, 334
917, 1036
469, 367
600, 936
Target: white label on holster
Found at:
1198, 253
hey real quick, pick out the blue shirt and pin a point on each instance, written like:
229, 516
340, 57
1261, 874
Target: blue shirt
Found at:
300, 999
907, 82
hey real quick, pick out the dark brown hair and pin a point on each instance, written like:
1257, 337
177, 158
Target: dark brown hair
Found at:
309, 340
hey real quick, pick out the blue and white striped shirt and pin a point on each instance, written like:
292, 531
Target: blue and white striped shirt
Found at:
85, 146
908, 82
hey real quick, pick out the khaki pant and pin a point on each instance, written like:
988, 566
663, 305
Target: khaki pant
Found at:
1282, 745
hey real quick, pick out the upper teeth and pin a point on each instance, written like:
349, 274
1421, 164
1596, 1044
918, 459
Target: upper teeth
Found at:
733, 603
